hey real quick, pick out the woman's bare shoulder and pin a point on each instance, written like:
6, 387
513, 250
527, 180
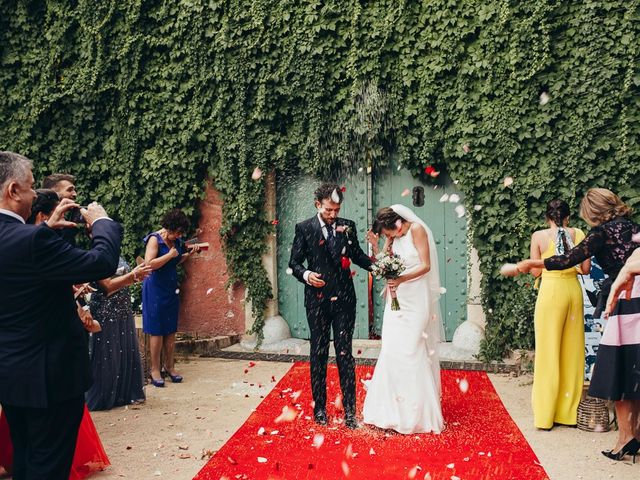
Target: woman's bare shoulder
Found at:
417, 229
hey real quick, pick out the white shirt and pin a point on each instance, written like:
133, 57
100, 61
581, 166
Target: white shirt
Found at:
323, 228
11, 214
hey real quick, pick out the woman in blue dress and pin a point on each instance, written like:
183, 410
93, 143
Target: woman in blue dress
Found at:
165, 250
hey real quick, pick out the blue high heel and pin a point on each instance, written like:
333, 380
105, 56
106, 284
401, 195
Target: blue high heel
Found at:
157, 383
174, 378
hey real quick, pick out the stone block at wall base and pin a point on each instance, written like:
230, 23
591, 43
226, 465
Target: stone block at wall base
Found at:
277, 338
205, 346
468, 336
466, 343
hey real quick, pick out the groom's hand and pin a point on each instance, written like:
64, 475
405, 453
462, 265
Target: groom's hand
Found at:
315, 280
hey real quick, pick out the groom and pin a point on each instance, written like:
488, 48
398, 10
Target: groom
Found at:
328, 244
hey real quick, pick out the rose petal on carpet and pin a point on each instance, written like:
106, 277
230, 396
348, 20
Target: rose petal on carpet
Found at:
281, 441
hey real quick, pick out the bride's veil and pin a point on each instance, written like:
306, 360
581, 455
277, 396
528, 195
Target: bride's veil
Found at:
435, 328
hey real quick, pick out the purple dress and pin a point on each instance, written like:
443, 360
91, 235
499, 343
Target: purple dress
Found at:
160, 299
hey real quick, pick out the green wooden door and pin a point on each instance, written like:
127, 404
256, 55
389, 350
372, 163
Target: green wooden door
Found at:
294, 204
449, 231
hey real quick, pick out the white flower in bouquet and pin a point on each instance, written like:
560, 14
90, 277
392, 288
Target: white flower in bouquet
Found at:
388, 266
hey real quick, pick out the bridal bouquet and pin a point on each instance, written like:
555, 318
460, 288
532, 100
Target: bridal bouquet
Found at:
388, 265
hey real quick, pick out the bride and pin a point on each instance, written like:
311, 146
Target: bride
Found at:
404, 392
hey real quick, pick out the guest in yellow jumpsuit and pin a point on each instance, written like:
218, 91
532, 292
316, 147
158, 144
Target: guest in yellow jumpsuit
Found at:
558, 323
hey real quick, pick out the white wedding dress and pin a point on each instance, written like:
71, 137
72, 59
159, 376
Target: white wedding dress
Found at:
404, 392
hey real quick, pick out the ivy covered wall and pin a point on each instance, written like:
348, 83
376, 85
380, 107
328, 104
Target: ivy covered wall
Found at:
143, 99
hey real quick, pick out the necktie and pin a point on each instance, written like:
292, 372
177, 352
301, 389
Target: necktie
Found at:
331, 243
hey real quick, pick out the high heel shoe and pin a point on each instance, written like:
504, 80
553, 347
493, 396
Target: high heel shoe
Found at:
157, 383
174, 378
630, 448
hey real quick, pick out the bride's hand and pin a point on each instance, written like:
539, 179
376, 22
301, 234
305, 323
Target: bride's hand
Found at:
393, 283
373, 238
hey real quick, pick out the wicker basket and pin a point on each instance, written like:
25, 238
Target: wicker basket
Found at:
593, 415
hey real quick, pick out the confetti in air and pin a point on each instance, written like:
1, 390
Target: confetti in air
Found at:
466, 148
289, 271
209, 291
454, 198
262, 460
406, 192
287, 415
544, 98
257, 174
444, 197
443, 290
345, 468
460, 211
318, 440
477, 208
463, 385
348, 453
335, 196
508, 181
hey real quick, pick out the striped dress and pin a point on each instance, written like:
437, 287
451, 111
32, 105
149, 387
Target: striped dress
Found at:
616, 374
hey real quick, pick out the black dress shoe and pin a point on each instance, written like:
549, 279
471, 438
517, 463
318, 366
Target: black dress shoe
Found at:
351, 422
320, 417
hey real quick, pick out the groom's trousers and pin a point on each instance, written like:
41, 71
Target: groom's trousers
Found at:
321, 319
44, 439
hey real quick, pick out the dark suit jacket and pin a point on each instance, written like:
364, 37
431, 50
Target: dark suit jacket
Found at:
43, 345
310, 246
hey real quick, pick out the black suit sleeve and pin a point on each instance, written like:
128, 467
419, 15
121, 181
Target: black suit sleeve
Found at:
357, 254
298, 254
55, 260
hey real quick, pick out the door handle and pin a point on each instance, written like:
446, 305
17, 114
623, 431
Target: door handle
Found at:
418, 196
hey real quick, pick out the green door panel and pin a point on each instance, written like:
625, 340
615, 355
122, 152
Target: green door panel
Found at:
294, 204
449, 233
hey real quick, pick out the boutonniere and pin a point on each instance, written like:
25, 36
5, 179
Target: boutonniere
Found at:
346, 231
345, 262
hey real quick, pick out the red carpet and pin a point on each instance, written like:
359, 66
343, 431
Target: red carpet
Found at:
481, 440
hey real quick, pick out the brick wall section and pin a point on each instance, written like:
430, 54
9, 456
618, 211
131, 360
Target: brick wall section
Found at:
221, 312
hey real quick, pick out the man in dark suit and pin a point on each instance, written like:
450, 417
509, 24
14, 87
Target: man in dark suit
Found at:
64, 185
327, 244
44, 363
